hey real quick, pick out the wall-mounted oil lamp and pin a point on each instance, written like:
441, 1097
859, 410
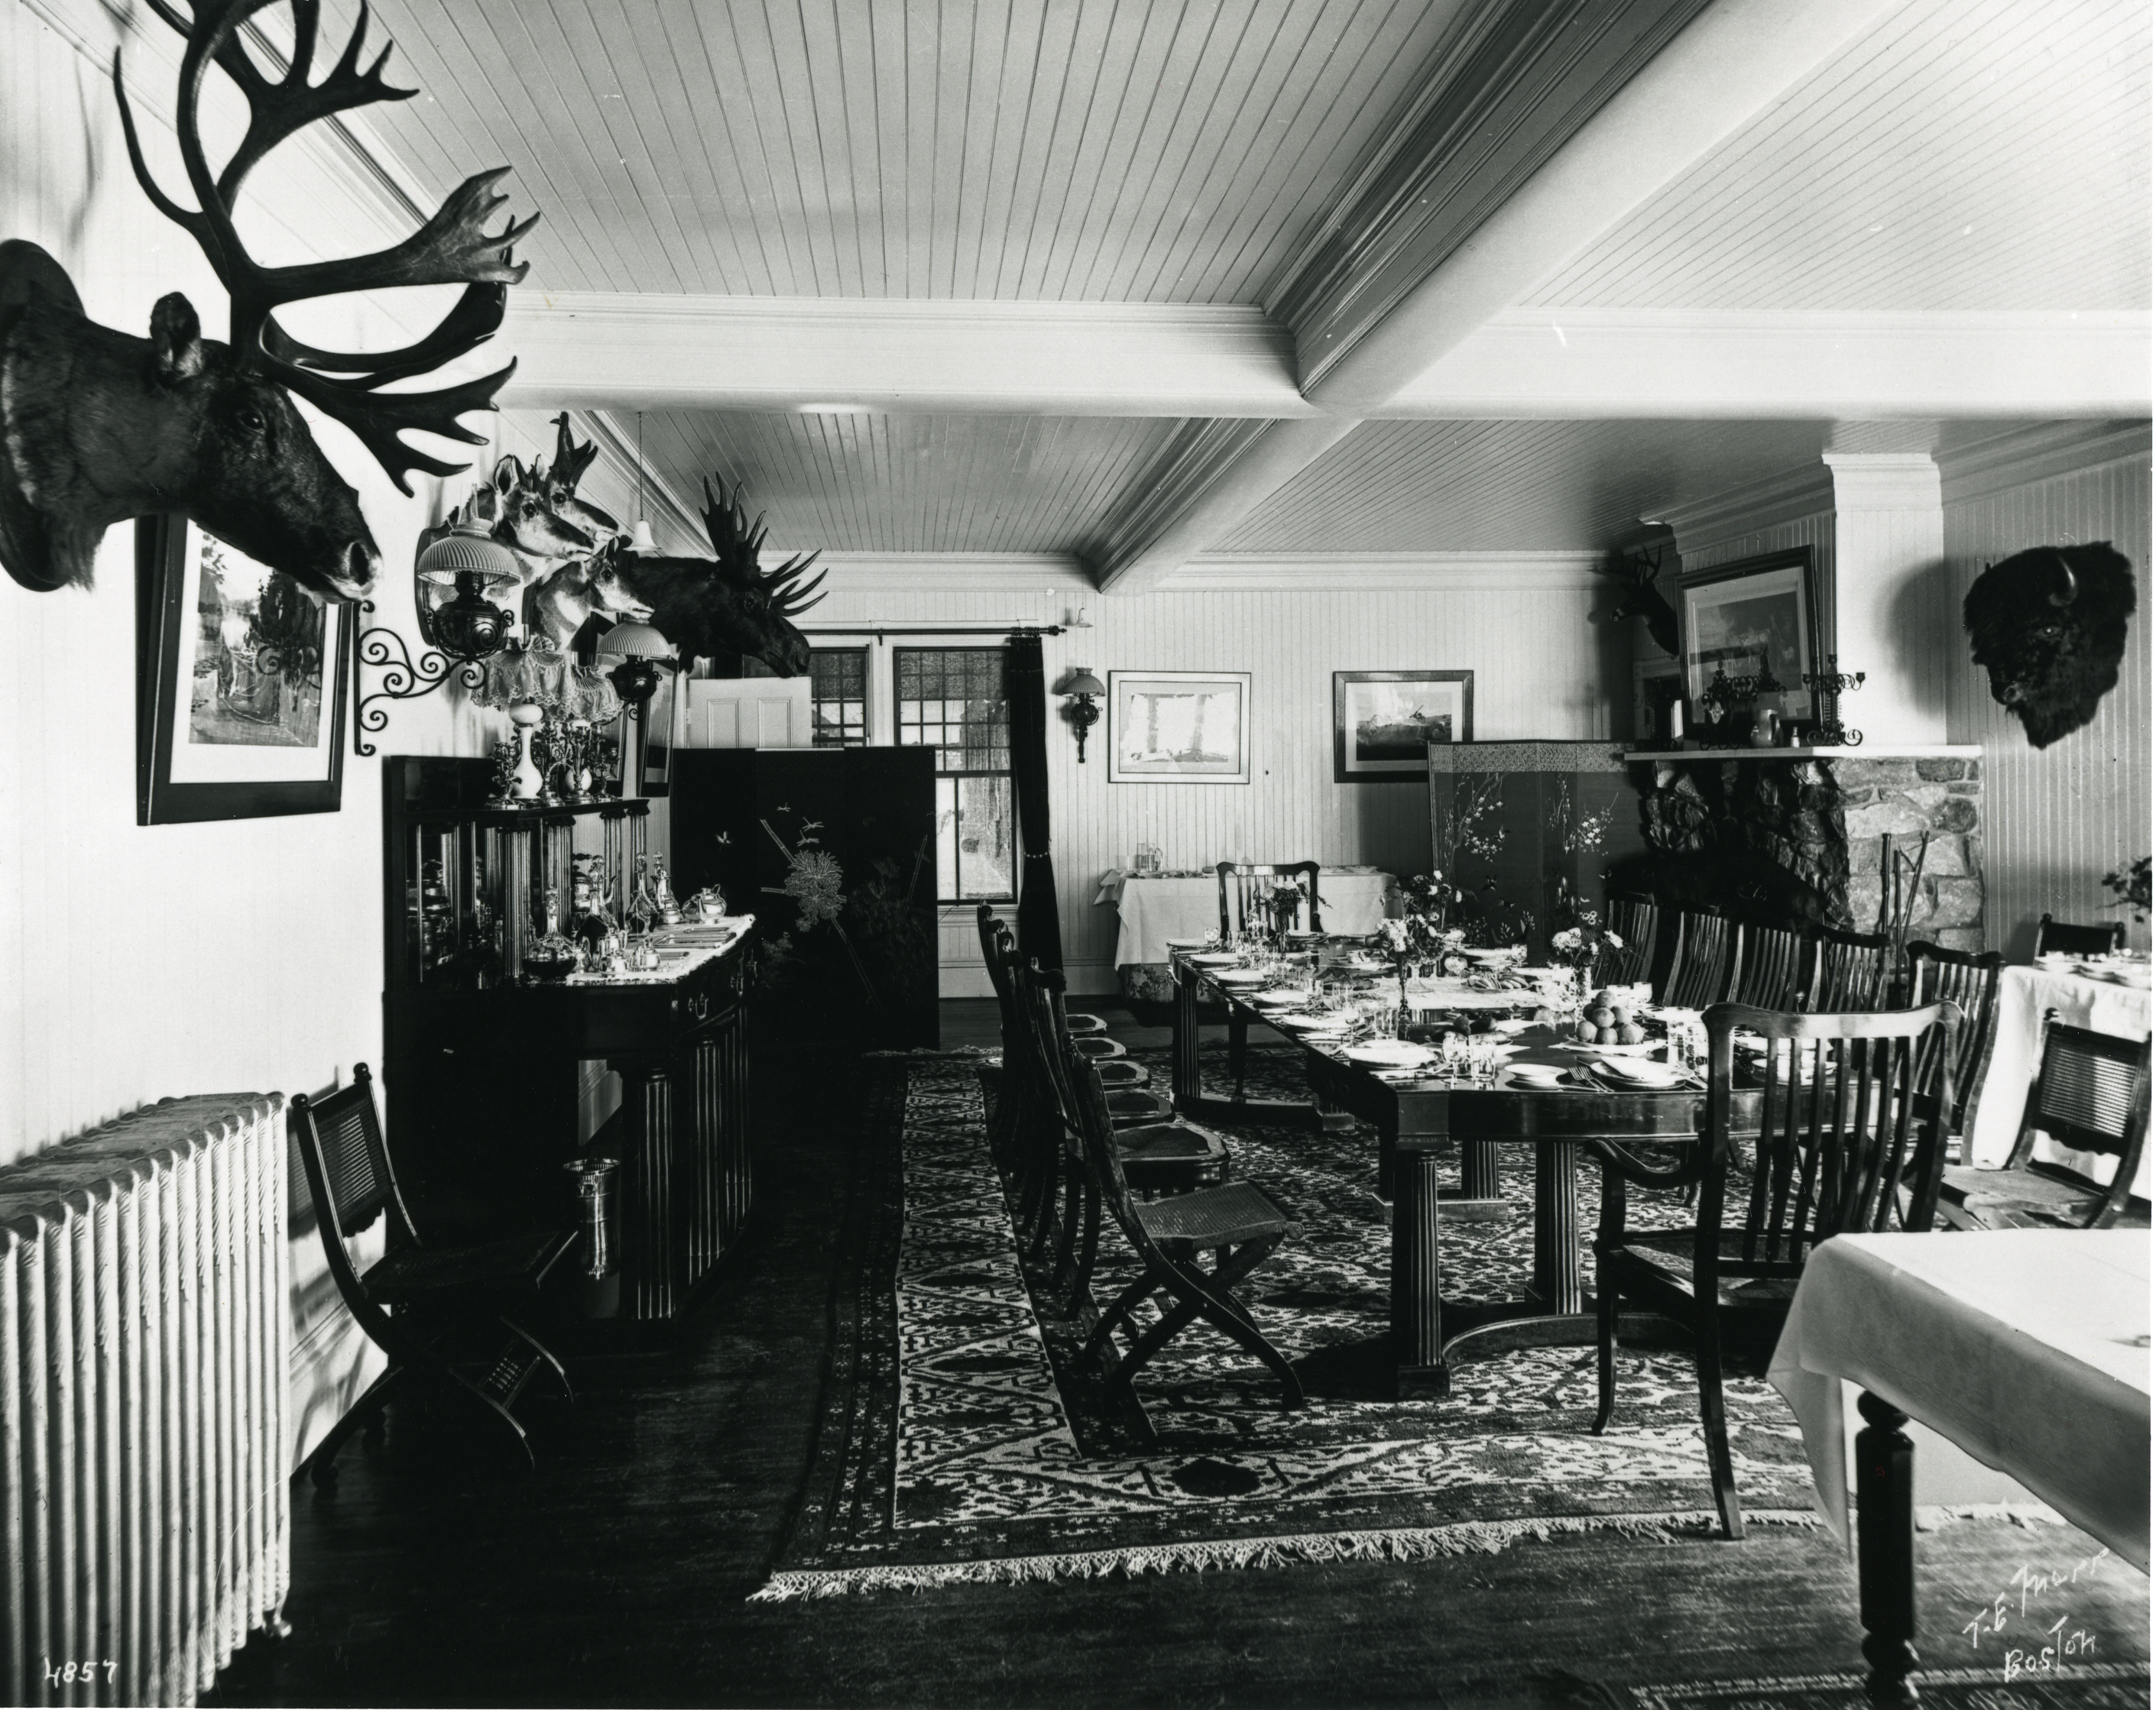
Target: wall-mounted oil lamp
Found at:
460, 631
1078, 690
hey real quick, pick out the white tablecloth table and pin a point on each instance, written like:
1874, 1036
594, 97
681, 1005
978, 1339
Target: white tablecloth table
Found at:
2025, 993
2027, 1348
1352, 901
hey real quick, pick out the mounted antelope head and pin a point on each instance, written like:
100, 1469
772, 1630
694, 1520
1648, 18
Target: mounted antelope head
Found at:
1634, 574
97, 426
703, 606
527, 521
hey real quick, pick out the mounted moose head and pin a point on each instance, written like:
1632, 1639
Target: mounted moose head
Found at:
97, 426
1634, 573
706, 607
2048, 628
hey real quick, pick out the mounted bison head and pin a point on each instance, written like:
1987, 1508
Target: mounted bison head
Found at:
2049, 627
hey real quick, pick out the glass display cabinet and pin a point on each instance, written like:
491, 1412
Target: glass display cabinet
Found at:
493, 1031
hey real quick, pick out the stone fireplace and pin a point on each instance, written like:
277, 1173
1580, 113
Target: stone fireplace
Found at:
1815, 837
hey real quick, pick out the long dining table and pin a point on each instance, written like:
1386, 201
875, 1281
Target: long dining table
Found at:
1419, 1118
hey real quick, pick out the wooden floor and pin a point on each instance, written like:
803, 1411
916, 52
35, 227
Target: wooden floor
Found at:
618, 1574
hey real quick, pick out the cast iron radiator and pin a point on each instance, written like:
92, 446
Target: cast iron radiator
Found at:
144, 1528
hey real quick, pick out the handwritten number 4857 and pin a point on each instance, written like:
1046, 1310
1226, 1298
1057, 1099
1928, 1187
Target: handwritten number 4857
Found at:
66, 1674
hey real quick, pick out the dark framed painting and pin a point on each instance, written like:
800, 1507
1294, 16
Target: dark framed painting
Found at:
1179, 727
241, 682
1756, 617
1383, 721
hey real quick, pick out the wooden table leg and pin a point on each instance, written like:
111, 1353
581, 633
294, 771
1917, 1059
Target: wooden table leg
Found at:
1183, 1049
1556, 1286
1418, 1312
1478, 1170
1886, 1550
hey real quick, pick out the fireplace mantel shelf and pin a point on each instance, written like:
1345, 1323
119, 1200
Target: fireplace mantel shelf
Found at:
1900, 750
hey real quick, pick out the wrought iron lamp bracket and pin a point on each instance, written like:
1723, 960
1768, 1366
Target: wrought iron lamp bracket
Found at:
402, 678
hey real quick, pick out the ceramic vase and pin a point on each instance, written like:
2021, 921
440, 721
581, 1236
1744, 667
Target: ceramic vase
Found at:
526, 783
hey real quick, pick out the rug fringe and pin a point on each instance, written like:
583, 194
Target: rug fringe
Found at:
1399, 1544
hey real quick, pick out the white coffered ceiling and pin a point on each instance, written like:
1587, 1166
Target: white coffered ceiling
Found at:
942, 276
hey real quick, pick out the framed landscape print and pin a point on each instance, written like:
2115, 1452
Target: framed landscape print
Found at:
240, 682
1179, 727
1736, 615
1383, 720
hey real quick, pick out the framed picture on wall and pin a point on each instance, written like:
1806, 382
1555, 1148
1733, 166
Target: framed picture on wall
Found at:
1382, 721
1752, 618
240, 683
1179, 727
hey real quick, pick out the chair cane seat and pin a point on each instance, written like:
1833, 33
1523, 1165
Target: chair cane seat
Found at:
1096, 1049
1121, 1073
1670, 1266
1212, 1217
1082, 1026
1132, 1105
517, 1261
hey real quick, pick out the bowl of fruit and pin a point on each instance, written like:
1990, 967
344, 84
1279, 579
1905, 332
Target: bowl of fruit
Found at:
1613, 1025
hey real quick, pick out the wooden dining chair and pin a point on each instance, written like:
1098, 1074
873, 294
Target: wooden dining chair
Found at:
2063, 938
1245, 883
1968, 979
1235, 1223
1848, 970
2091, 1094
1699, 962
1634, 920
413, 1299
1841, 1128
1766, 966
1160, 1155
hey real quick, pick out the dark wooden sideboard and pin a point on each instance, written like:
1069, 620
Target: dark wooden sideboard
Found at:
485, 1067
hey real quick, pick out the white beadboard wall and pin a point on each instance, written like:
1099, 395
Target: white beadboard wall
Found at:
137, 962
2058, 819
1542, 668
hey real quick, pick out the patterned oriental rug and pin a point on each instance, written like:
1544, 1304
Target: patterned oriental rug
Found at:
961, 1440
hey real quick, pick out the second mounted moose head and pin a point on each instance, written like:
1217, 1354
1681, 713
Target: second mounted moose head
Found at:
98, 426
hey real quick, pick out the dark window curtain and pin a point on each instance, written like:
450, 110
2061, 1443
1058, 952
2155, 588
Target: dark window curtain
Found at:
1025, 688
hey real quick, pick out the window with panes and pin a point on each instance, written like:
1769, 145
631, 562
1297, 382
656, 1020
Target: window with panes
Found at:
838, 696
951, 699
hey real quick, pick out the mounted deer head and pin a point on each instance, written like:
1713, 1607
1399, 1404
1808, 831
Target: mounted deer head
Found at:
97, 426
1634, 573
527, 521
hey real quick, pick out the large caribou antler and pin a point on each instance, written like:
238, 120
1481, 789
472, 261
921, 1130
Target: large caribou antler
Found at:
736, 543
453, 247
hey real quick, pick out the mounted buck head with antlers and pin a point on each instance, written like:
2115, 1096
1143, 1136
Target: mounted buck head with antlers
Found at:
97, 426
704, 607
1634, 573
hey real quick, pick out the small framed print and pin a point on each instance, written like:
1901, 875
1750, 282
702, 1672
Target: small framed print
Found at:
1179, 727
240, 683
1384, 721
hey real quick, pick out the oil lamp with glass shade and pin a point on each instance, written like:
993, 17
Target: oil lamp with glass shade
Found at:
1079, 710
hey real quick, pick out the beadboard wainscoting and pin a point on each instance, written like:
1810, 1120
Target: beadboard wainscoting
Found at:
1524, 623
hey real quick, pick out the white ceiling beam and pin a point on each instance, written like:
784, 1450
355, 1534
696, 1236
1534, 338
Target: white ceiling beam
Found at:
1724, 68
1727, 65
621, 351
1634, 363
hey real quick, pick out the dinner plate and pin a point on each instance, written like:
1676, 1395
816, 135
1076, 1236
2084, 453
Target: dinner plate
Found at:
1297, 934
1387, 1053
1186, 944
1649, 1077
1497, 959
1246, 978
1303, 1022
1218, 959
1535, 1074
1279, 1000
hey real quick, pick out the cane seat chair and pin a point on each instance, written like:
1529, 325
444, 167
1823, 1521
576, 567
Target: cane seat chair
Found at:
1767, 966
1245, 884
2091, 1095
1235, 1223
1634, 920
1842, 1139
1699, 960
410, 1301
1968, 979
1058, 1211
2063, 938
1849, 970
